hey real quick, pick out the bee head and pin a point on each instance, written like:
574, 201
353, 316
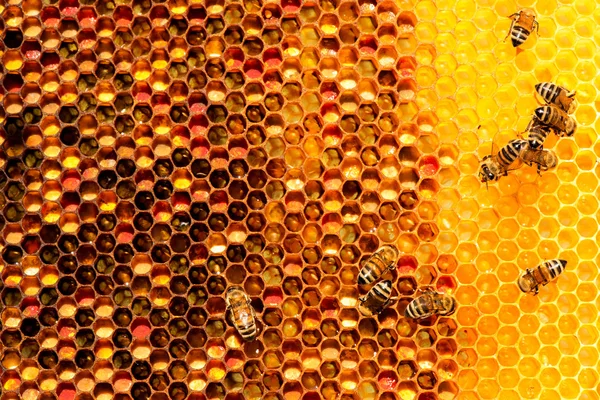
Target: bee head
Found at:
485, 175
450, 305
526, 283
528, 11
390, 253
235, 293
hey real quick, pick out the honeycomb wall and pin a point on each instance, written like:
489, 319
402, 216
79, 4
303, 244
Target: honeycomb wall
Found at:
155, 153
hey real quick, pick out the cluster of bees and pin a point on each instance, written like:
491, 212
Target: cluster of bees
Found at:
378, 298
553, 116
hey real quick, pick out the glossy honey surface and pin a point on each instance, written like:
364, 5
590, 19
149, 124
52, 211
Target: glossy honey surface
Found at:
154, 154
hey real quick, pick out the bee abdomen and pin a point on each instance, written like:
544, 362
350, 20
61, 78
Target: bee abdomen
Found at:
547, 115
537, 136
417, 309
548, 91
247, 332
367, 275
555, 267
382, 291
509, 153
518, 35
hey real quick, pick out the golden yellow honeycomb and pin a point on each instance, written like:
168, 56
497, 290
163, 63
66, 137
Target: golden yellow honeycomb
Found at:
154, 153
516, 346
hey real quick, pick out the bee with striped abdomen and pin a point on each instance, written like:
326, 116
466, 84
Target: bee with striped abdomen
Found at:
430, 303
499, 163
547, 271
521, 27
557, 95
383, 260
543, 159
377, 299
557, 119
242, 313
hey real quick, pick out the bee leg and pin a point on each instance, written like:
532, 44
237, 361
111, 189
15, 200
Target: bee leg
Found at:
571, 95
511, 27
530, 122
537, 27
384, 306
427, 290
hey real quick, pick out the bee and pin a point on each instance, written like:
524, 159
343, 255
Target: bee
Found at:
430, 303
379, 263
557, 95
521, 27
242, 313
541, 275
377, 299
543, 159
506, 159
557, 119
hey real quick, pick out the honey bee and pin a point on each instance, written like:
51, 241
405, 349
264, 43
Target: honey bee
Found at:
521, 27
499, 163
556, 118
543, 159
430, 303
377, 299
557, 95
242, 313
379, 263
541, 275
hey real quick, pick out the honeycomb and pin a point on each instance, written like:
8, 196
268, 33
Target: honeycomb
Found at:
155, 153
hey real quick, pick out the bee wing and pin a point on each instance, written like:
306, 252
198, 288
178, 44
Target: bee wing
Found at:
518, 163
247, 318
501, 139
